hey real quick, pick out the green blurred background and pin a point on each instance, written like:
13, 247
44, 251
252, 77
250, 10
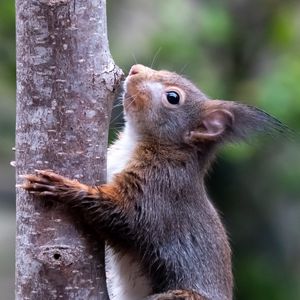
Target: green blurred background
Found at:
247, 50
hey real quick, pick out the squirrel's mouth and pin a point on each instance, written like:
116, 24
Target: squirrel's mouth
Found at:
128, 99
137, 96
136, 102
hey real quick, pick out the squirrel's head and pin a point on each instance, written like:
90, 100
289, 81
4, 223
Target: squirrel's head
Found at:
168, 108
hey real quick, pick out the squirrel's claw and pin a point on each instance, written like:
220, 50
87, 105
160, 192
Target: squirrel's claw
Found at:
49, 175
43, 182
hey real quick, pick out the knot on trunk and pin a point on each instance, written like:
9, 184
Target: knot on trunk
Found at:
58, 255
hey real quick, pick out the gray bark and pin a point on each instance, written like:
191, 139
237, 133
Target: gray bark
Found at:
66, 82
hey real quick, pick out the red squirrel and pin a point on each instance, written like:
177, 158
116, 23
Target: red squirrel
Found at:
154, 211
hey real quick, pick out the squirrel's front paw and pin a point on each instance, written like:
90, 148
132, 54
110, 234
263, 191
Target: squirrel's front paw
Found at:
44, 183
48, 183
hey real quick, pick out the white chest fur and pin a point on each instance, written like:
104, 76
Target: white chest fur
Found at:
120, 152
124, 280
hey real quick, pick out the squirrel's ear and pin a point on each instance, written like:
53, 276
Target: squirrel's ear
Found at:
227, 120
213, 125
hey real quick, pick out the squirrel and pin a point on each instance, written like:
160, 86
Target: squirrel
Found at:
162, 231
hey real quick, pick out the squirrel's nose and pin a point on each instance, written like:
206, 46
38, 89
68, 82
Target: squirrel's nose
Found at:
137, 69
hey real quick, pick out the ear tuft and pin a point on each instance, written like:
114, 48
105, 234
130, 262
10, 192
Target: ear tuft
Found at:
222, 121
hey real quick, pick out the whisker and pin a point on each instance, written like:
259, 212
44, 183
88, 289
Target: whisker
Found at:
183, 68
117, 117
117, 105
122, 112
118, 126
134, 57
155, 56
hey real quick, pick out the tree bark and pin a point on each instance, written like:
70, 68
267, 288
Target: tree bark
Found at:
66, 82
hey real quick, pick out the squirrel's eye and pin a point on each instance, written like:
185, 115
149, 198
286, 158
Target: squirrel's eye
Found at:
173, 97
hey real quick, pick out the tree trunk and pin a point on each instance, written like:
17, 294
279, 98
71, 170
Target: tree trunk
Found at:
66, 82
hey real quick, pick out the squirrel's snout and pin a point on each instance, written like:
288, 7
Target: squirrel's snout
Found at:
137, 69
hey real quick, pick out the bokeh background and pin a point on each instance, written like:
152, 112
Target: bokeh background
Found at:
247, 50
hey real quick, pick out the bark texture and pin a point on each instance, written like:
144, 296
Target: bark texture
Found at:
66, 82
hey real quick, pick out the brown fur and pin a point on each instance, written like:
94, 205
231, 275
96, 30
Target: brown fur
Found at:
157, 208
